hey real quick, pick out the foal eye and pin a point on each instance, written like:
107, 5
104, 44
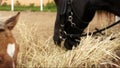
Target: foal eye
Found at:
2, 30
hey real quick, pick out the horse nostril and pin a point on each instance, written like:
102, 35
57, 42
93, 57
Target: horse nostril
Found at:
1, 60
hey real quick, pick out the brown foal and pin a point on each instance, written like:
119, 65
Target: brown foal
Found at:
8, 46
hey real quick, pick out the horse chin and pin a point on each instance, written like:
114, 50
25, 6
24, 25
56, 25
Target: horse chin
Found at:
70, 42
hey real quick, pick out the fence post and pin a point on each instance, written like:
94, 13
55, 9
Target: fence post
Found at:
41, 5
12, 5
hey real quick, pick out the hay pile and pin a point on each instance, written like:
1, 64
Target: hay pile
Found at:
92, 52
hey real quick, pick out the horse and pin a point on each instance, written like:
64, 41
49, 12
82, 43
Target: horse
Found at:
8, 46
73, 16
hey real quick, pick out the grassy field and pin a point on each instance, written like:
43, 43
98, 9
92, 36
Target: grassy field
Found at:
34, 33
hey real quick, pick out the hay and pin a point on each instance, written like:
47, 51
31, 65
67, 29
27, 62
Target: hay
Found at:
91, 53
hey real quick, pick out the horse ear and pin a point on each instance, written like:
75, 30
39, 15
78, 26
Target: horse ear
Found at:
11, 22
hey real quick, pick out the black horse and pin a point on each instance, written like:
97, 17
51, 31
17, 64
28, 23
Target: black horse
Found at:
73, 16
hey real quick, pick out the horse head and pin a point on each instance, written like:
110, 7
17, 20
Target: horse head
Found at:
74, 16
8, 46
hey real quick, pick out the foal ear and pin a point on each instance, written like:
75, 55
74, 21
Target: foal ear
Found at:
11, 22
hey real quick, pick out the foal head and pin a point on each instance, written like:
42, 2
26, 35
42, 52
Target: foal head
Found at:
8, 46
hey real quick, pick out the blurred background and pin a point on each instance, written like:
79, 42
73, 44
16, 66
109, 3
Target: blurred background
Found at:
23, 5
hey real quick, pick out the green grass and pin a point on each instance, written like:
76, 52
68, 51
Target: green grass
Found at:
49, 7
5, 8
19, 8
24, 8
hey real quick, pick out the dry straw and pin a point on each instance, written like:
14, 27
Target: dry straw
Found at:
35, 52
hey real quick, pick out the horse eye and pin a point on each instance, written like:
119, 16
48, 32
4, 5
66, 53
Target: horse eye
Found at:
2, 30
